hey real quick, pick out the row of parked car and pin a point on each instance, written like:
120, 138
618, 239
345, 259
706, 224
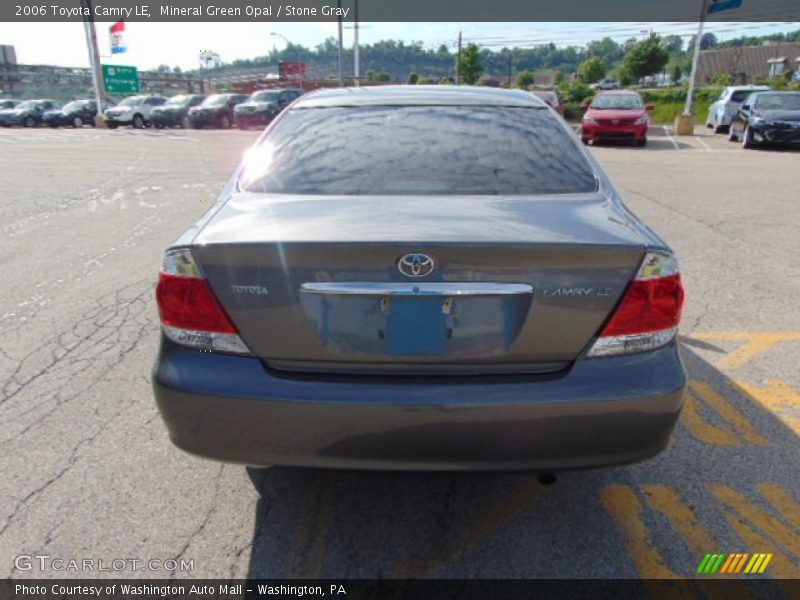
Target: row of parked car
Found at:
753, 115
186, 110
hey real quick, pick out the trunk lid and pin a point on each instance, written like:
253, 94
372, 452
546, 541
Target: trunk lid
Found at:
518, 284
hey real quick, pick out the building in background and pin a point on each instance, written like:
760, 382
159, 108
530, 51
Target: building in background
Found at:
749, 64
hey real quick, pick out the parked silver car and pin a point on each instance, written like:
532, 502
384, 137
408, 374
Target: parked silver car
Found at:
420, 277
133, 110
724, 108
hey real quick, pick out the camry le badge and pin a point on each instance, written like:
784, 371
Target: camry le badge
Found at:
415, 265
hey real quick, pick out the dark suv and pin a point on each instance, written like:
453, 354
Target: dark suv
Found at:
175, 111
215, 111
263, 106
28, 113
75, 113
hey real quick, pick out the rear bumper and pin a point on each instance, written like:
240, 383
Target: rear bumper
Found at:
600, 412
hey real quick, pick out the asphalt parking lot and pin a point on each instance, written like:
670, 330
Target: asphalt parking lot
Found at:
88, 470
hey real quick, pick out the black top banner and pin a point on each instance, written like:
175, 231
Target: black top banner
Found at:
645, 11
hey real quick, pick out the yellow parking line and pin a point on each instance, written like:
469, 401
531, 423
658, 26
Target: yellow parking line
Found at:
711, 397
625, 508
755, 344
782, 502
702, 429
780, 398
667, 501
758, 517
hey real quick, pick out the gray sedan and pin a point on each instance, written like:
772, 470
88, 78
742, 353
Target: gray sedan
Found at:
420, 278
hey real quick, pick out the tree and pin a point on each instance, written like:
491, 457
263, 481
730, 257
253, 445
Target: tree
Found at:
648, 57
577, 92
592, 70
607, 49
560, 77
673, 44
413, 78
675, 72
469, 66
524, 79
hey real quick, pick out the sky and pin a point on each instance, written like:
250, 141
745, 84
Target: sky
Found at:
152, 44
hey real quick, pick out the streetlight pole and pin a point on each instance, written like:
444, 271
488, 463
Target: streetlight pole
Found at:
341, 57
94, 60
695, 56
356, 68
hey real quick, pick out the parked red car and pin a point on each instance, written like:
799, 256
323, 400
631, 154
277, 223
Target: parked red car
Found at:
615, 115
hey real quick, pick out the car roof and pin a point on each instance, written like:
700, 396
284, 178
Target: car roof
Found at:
738, 88
421, 95
617, 92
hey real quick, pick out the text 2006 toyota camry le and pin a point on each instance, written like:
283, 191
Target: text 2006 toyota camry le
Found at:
420, 278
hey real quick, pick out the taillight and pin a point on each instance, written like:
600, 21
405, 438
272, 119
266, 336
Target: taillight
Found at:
190, 313
648, 314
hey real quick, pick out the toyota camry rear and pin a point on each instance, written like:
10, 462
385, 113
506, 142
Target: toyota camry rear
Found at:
420, 278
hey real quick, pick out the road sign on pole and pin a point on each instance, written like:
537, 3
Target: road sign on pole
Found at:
120, 79
720, 5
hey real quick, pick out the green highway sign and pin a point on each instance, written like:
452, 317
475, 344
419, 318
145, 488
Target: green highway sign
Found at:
120, 80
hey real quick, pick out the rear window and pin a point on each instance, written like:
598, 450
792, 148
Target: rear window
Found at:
741, 95
417, 150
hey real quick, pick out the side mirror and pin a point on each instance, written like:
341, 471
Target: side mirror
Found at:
650, 107
745, 107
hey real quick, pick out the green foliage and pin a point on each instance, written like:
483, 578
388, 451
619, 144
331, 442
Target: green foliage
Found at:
577, 92
413, 79
648, 57
524, 79
469, 65
378, 76
675, 72
623, 75
670, 102
592, 70
723, 79
560, 77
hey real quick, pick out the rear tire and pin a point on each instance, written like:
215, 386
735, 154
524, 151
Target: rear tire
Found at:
641, 142
185, 123
732, 137
29, 122
77, 122
138, 122
112, 125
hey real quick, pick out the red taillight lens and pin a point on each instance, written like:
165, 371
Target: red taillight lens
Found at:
648, 305
189, 303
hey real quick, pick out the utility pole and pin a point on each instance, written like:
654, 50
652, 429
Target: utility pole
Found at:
356, 68
510, 58
458, 58
341, 57
94, 60
695, 55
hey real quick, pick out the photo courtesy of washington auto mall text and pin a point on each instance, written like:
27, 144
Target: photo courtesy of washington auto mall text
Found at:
164, 589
